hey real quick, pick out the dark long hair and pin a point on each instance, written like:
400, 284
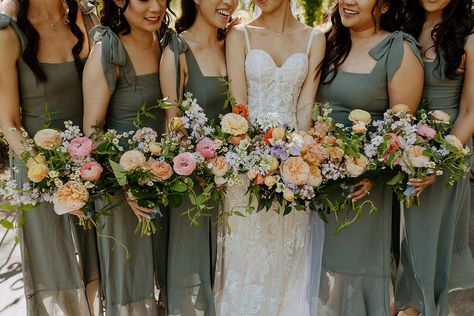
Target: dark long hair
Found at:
338, 37
188, 17
30, 53
449, 35
112, 16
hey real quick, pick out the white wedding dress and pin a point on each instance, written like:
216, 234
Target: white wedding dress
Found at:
269, 264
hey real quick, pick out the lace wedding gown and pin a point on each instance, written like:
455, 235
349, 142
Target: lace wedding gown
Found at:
266, 263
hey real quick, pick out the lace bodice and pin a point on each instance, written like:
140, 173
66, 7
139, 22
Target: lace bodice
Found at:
273, 88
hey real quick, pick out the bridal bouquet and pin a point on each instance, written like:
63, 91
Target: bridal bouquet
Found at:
61, 171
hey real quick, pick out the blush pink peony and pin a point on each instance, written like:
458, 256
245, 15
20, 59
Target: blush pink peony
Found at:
425, 130
91, 171
80, 147
184, 164
206, 147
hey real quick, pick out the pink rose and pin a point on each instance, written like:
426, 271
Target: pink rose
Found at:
160, 169
425, 130
184, 164
295, 170
91, 171
80, 147
206, 147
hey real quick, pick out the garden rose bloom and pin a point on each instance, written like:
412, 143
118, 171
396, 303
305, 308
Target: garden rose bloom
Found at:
38, 159
315, 154
295, 170
441, 116
234, 124
416, 158
206, 147
288, 195
356, 166
331, 140
80, 147
308, 141
359, 128
320, 130
453, 140
315, 178
91, 171
155, 148
400, 108
184, 164
220, 166
160, 169
360, 116
278, 133
48, 138
335, 153
132, 159
37, 172
241, 109
425, 130
175, 124
71, 196
270, 181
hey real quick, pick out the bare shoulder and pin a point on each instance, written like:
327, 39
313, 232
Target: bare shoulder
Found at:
469, 47
9, 45
236, 32
9, 7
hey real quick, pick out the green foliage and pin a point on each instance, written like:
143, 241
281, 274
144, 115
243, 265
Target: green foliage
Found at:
313, 11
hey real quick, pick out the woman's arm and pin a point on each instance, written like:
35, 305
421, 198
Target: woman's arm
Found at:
310, 86
10, 120
235, 62
96, 92
464, 125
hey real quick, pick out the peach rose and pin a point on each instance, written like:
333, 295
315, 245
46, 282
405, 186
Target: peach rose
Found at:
359, 128
278, 133
71, 196
320, 130
234, 124
308, 141
315, 178
335, 153
315, 154
37, 172
132, 159
415, 156
48, 138
360, 116
330, 140
453, 140
220, 166
235, 140
91, 171
295, 170
259, 179
400, 108
441, 116
155, 148
241, 109
356, 166
38, 159
160, 169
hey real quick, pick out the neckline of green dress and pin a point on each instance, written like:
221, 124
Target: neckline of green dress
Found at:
188, 48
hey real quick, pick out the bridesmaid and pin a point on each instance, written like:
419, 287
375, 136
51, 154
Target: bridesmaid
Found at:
195, 62
372, 66
120, 76
435, 256
35, 73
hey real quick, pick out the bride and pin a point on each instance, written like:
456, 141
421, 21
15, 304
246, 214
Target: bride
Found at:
266, 263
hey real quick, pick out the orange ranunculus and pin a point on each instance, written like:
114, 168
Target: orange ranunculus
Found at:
241, 109
235, 140
268, 135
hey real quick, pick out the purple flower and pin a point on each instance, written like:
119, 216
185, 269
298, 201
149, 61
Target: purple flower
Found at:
295, 151
279, 152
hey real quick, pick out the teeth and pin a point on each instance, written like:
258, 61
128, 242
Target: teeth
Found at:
224, 12
351, 12
152, 19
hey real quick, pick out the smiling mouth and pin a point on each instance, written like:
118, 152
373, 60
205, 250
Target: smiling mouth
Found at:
225, 13
153, 19
350, 12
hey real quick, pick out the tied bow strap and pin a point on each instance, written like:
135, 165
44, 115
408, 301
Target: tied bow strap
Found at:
6, 21
113, 55
391, 48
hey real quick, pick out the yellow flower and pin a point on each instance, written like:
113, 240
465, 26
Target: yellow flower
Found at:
175, 124
38, 172
360, 116
288, 195
38, 159
400, 108
155, 148
278, 133
234, 124
441, 116
453, 140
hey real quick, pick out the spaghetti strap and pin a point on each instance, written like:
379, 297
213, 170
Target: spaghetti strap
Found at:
247, 41
310, 41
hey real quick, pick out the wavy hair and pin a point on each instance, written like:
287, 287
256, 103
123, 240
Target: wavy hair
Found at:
338, 37
112, 16
30, 53
448, 36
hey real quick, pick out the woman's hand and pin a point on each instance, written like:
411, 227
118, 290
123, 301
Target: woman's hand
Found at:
140, 212
421, 184
362, 189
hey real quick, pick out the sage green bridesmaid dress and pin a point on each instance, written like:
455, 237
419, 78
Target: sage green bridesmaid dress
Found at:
435, 255
128, 283
192, 250
356, 262
55, 282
